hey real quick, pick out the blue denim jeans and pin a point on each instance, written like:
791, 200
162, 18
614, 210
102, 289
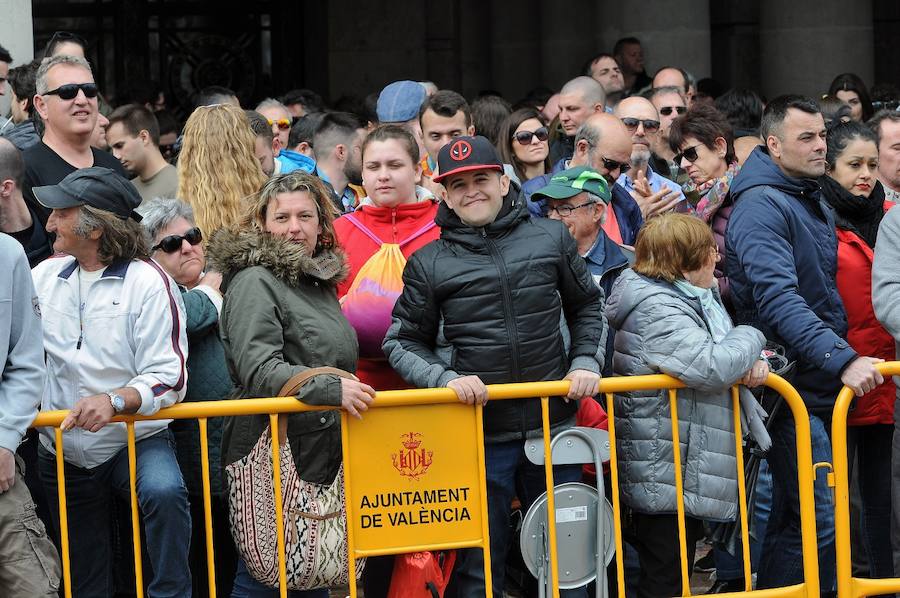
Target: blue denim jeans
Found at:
782, 557
245, 586
730, 567
163, 501
509, 474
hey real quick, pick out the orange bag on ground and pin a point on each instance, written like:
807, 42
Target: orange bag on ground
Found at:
421, 574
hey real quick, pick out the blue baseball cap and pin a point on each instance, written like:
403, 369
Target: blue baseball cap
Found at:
400, 101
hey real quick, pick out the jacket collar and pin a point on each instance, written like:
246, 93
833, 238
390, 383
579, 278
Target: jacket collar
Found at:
605, 254
117, 269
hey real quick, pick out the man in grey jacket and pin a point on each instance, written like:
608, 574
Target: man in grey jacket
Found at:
886, 301
36, 572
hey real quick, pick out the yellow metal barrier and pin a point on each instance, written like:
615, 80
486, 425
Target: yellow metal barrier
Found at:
608, 386
847, 585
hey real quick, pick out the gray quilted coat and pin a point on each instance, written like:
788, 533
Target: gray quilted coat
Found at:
662, 330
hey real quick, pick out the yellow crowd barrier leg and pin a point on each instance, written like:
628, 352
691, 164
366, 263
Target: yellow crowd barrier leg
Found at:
63, 514
207, 508
350, 506
135, 514
551, 498
614, 491
279, 509
485, 529
679, 496
742, 487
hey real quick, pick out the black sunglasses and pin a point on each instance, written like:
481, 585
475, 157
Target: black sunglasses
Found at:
632, 124
172, 243
689, 154
667, 110
612, 165
524, 137
70, 90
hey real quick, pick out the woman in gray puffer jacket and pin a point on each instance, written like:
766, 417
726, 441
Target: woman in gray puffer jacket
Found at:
670, 320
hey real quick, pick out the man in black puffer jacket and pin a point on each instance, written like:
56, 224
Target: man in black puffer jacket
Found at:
482, 305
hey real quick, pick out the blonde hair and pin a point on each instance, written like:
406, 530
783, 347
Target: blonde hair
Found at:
254, 216
671, 244
217, 166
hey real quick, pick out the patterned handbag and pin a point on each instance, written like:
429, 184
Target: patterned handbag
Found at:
315, 518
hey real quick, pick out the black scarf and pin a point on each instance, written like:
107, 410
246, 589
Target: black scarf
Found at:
856, 213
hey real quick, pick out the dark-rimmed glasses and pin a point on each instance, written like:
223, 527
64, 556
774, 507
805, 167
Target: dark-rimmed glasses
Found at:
613, 165
667, 110
524, 137
566, 210
632, 124
172, 243
70, 90
688, 153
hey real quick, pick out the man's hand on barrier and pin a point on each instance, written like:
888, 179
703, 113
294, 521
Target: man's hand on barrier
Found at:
90, 413
584, 384
470, 390
756, 375
7, 469
861, 375
356, 396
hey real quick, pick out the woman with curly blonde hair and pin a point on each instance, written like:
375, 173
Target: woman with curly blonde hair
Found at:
217, 167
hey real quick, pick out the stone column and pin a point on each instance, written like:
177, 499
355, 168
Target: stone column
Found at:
804, 44
17, 36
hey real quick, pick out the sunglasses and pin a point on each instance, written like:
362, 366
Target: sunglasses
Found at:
70, 90
667, 110
283, 123
612, 165
172, 243
632, 124
689, 154
524, 137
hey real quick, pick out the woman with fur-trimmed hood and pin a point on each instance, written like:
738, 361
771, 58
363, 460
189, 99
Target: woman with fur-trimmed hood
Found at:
281, 317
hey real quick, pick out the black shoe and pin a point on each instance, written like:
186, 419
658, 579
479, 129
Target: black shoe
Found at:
723, 586
705, 564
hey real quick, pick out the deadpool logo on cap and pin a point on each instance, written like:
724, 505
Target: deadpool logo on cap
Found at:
460, 150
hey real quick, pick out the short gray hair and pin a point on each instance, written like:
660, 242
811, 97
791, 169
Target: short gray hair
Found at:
589, 134
40, 82
160, 212
271, 103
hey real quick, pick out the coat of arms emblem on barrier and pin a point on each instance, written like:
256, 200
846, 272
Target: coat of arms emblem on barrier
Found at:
413, 460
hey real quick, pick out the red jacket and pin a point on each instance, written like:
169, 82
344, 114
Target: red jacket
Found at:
391, 225
865, 333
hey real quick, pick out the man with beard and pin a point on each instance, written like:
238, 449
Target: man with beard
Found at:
336, 145
133, 137
642, 120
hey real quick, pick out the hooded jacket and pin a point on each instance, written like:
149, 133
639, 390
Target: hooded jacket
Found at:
280, 317
487, 301
660, 330
781, 262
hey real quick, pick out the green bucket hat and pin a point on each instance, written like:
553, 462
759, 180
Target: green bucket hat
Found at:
569, 183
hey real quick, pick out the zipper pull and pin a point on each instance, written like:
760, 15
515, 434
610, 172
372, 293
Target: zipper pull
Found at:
80, 339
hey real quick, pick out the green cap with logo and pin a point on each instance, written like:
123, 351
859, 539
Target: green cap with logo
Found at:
570, 182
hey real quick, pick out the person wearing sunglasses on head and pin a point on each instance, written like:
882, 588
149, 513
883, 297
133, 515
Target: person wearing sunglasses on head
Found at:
524, 145
670, 103
66, 100
641, 119
177, 246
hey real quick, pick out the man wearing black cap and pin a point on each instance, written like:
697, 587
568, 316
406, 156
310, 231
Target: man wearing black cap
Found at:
115, 343
497, 285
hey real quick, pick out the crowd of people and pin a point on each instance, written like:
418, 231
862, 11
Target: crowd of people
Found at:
621, 225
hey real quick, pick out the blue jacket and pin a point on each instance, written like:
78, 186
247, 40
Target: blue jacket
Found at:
605, 261
628, 214
291, 161
781, 260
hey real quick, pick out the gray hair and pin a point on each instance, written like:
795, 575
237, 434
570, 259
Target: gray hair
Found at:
160, 212
271, 103
120, 238
588, 133
590, 90
40, 83
658, 91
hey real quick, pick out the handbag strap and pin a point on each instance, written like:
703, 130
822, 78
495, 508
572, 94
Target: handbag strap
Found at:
292, 387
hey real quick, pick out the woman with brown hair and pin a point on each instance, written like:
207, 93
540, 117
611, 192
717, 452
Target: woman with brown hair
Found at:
280, 318
217, 166
524, 143
670, 320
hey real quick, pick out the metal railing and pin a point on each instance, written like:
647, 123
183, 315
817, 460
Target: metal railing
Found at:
608, 386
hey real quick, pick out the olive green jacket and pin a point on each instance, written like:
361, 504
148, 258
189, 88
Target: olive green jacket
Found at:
280, 317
